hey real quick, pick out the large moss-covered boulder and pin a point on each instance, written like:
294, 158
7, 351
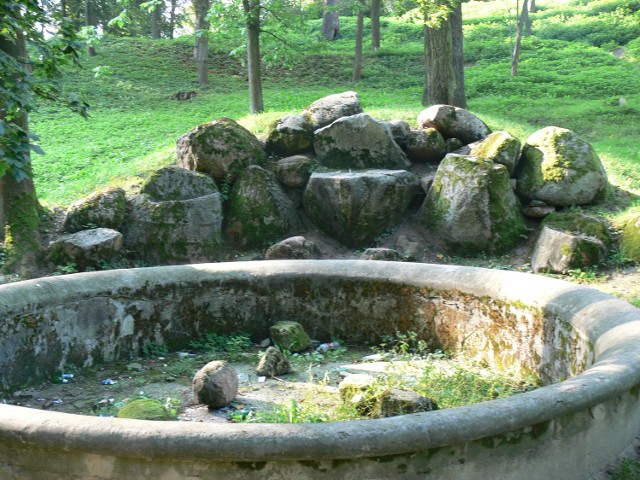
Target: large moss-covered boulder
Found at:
289, 135
358, 142
290, 336
569, 241
176, 183
259, 212
560, 168
177, 231
221, 148
499, 147
453, 122
472, 207
103, 209
145, 409
328, 109
630, 238
425, 145
356, 207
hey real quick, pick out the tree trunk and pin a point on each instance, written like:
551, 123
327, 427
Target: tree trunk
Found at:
156, 17
330, 20
63, 8
357, 64
252, 16
375, 24
172, 18
19, 216
515, 58
88, 21
201, 8
444, 62
532, 6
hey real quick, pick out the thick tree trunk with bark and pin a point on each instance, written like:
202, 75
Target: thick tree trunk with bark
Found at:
19, 215
252, 15
201, 8
375, 24
522, 21
357, 64
444, 62
156, 17
330, 20
89, 22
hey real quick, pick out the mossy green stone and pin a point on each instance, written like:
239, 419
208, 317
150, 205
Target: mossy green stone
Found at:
577, 224
290, 336
630, 239
144, 409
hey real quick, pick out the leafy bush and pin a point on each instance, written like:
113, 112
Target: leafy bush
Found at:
223, 347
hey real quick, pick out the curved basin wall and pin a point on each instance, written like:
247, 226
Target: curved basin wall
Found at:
515, 322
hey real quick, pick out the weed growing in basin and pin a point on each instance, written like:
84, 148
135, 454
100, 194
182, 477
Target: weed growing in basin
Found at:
403, 345
154, 350
223, 347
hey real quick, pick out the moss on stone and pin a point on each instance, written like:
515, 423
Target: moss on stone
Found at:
630, 238
145, 409
290, 336
580, 225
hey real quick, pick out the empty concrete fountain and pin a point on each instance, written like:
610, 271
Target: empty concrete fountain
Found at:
583, 344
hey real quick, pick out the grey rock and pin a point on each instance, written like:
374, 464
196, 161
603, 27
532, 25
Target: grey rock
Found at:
259, 212
355, 208
388, 254
560, 168
294, 248
453, 122
358, 142
538, 209
175, 183
104, 209
396, 401
221, 148
327, 110
215, 384
86, 248
453, 144
409, 250
289, 135
425, 145
174, 232
472, 207
273, 363
499, 147
290, 336
294, 172
400, 131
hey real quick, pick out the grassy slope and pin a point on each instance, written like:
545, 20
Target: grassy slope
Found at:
563, 81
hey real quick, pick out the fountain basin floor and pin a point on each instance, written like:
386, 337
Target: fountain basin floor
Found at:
582, 343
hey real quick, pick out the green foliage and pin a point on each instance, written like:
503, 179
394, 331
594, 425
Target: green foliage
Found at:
404, 345
629, 469
154, 350
223, 347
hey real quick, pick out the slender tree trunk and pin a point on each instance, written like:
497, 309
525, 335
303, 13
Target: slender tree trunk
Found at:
201, 8
444, 62
515, 58
20, 218
252, 15
532, 6
330, 20
156, 17
88, 21
375, 24
172, 18
357, 64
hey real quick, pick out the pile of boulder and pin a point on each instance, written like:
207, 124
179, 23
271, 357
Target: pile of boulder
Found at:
336, 169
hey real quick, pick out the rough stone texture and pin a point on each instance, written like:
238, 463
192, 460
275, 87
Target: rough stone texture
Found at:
560, 168
290, 336
144, 409
86, 248
471, 205
538, 209
396, 401
630, 238
215, 384
294, 172
327, 110
294, 248
221, 148
289, 135
400, 131
180, 231
569, 240
105, 209
259, 212
273, 363
453, 144
425, 145
175, 183
410, 250
358, 142
454, 122
357, 207
499, 147
388, 254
